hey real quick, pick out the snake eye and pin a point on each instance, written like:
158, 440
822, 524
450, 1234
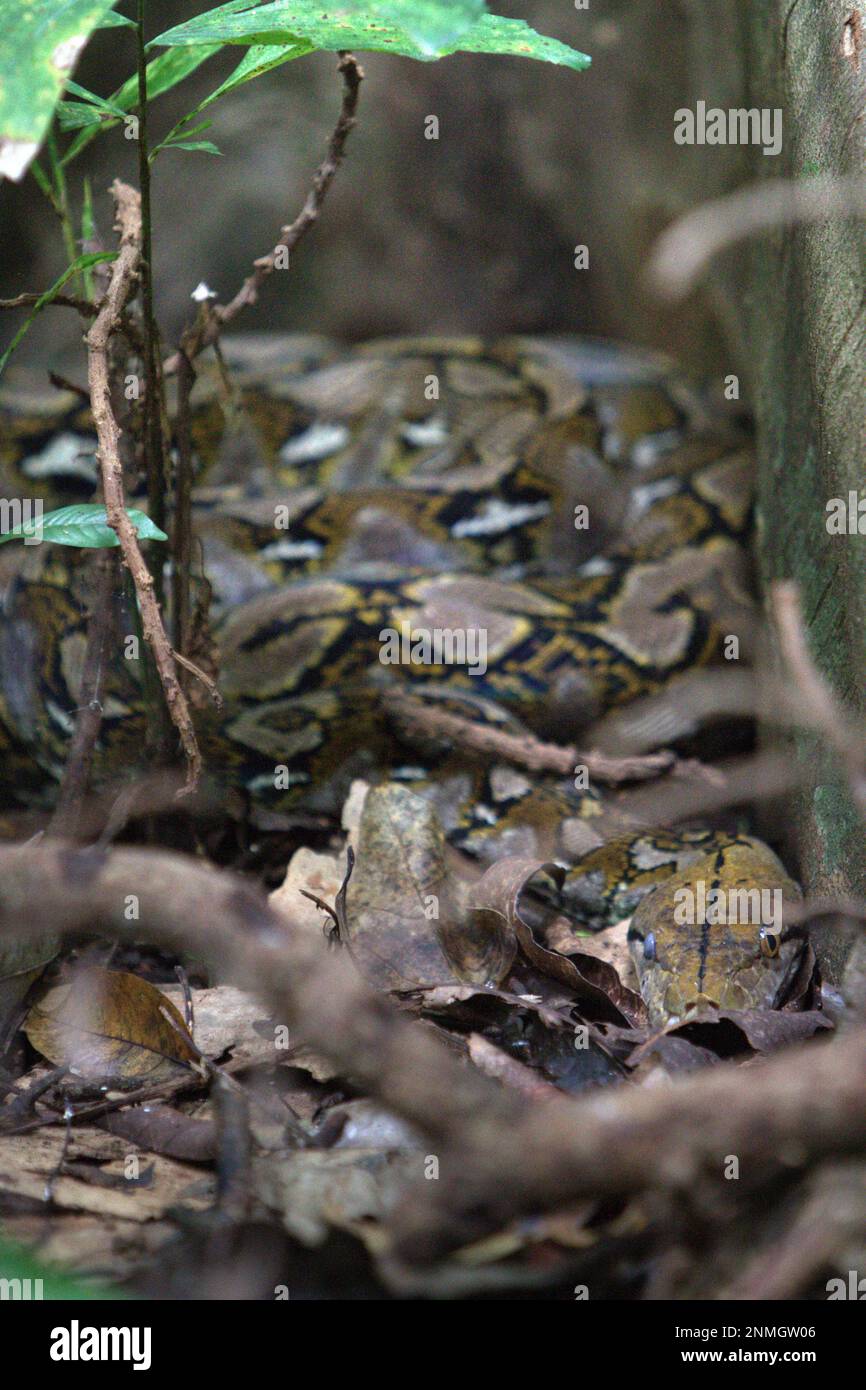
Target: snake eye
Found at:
649, 946
770, 942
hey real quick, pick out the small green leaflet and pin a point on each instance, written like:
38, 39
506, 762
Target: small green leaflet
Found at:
91, 109
88, 232
203, 146
258, 59
39, 45
351, 24
84, 524
180, 138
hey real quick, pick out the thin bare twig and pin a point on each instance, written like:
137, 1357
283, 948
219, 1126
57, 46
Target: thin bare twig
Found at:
209, 684
523, 749
209, 323
181, 545
62, 383
691, 793
677, 711
154, 451
124, 274
208, 326
66, 301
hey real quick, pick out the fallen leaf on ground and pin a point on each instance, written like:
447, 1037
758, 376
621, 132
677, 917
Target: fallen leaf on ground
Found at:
112, 1027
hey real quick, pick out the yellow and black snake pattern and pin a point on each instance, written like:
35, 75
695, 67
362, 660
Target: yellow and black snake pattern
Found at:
578, 509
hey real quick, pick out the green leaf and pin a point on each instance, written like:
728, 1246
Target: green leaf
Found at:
514, 38
258, 59
74, 115
348, 26
93, 99
432, 24
83, 524
88, 224
181, 138
92, 108
39, 44
53, 1284
204, 146
187, 130
116, 21
80, 263
88, 232
163, 73
42, 179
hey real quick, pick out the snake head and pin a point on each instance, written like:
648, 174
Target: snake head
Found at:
711, 936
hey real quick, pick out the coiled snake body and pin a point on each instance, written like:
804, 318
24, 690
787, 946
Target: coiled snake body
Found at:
575, 505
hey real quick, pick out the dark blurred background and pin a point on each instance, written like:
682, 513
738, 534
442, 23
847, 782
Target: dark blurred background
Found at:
473, 232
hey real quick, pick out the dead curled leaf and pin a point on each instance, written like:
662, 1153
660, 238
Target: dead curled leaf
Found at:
542, 1039
596, 984
713, 1035
480, 946
113, 1027
161, 1129
496, 1063
762, 1030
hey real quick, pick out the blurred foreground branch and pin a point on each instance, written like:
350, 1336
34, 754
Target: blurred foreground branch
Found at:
684, 250
500, 1154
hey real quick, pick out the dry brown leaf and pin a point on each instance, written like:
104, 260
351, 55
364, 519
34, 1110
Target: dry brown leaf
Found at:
498, 1064
162, 1129
112, 1027
610, 945
480, 946
596, 984
21, 964
230, 1022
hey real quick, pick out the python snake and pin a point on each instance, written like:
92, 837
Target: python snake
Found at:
580, 506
